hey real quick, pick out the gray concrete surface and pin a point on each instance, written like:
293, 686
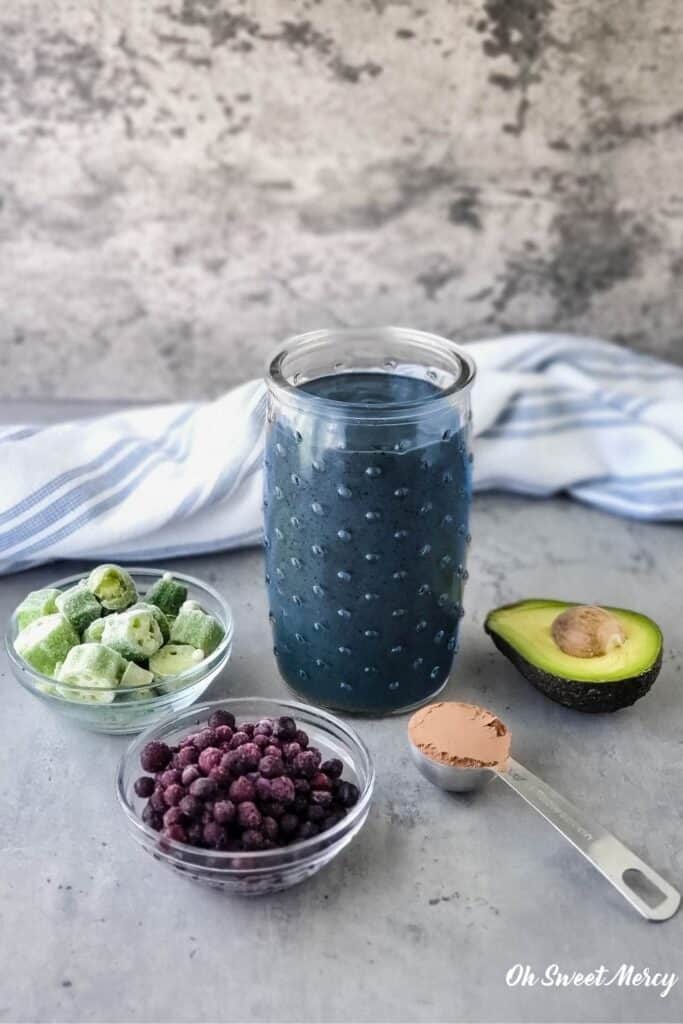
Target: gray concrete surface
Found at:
183, 183
423, 915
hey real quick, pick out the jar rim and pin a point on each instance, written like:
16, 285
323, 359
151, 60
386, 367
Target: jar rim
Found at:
278, 383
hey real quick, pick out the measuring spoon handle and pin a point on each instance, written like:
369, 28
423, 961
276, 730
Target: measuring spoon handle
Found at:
648, 892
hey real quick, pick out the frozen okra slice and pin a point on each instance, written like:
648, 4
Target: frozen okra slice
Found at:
174, 658
135, 634
93, 634
197, 628
167, 594
135, 675
35, 605
46, 641
80, 606
113, 587
154, 610
94, 666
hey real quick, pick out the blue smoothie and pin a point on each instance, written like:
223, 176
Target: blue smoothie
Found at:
366, 542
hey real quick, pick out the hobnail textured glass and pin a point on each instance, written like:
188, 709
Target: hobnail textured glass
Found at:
367, 519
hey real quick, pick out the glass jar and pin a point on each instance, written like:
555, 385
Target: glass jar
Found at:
368, 485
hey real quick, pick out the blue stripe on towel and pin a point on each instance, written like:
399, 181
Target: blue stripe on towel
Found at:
64, 478
151, 452
591, 357
82, 493
511, 433
93, 513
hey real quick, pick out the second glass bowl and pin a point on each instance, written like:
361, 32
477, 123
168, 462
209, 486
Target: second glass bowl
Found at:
128, 712
248, 873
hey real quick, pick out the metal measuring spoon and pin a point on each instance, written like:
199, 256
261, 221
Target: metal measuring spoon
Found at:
648, 892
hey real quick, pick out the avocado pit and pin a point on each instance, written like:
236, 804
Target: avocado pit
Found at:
587, 631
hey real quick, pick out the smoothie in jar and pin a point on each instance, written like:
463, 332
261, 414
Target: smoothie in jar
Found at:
367, 496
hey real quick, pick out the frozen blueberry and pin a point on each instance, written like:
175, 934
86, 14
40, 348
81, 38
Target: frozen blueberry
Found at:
290, 750
270, 828
253, 840
250, 754
176, 832
195, 833
209, 758
300, 805
155, 756
221, 776
224, 811
232, 762
332, 768
272, 751
261, 740
321, 781
264, 727
347, 794
248, 815
187, 756
301, 738
333, 819
173, 816
157, 800
282, 789
289, 823
242, 789
285, 728
205, 738
223, 734
270, 767
307, 829
263, 788
191, 806
214, 835
321, 798
190, 773
316, 814
238, 739
170, 777
173, 795
273, 809
306, 763
152, 818
205, 789
144, 786
248, 727
221, 717
302, 786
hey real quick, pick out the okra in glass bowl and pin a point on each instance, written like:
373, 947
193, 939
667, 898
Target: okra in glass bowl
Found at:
139, 696
219, 827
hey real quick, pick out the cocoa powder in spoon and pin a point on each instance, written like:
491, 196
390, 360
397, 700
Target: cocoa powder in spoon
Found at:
463, 735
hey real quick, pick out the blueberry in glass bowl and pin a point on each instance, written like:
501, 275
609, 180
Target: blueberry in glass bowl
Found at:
87, 626
247, 795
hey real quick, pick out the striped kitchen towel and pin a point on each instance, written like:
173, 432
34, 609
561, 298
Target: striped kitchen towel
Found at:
552, 414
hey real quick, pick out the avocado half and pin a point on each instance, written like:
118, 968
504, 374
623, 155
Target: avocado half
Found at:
605, 682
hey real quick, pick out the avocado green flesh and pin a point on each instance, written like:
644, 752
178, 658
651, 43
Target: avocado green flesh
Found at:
526, 628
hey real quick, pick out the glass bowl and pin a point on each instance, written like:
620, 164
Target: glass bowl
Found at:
129, 712
253, 873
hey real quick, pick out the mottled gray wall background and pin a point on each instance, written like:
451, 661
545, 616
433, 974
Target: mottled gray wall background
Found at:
185, 182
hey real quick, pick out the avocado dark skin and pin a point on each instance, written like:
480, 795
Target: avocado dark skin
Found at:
580, 696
